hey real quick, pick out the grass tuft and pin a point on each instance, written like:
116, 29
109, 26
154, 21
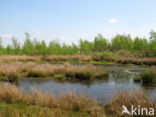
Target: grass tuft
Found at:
69, 101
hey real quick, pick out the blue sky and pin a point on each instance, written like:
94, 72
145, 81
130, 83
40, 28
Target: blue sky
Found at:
70, 20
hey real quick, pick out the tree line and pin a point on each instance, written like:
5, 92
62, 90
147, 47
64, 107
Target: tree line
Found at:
146, 47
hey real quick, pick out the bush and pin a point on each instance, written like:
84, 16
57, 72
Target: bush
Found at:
148, 78
105, 54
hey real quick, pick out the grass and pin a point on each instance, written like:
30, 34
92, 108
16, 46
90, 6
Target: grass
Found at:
13, 71
14, 103
84, 72
147, 77
70, 103
24, 110
135, 97
96, 57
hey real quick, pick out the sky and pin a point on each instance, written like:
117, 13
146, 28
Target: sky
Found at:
70, 20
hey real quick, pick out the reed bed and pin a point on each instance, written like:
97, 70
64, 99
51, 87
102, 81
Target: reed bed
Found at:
13, 71
70, 101
79, 58
12, 58
135, 97
85, 72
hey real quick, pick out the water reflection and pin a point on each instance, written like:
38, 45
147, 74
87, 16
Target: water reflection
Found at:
102, 90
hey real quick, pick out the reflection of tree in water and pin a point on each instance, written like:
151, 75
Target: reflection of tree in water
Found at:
40, 81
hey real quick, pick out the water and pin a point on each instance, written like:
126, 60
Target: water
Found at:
120, 78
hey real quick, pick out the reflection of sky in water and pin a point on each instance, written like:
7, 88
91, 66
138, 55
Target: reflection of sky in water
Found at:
119, 79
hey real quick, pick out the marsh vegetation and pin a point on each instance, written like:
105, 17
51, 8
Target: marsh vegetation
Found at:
14, 71
148, 78
42, 103
67, 104
71, 65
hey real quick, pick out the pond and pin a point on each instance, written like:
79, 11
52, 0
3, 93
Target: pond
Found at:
120, 78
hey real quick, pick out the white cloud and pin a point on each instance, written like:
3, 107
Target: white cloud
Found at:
113, 20
8, 36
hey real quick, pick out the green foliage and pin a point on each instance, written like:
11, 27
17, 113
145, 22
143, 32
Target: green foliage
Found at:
100, 43
105, 54
148, 78
69, 50
141, 45
86, 46
152, 48
16, 46
1, 46
153, 35
100, 46
9, 49
54, 47
28, 46
120, 42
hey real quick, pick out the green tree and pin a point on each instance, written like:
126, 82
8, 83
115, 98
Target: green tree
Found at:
140, 45
1, 46
100, 43
9, 50
28, 47
153, 35
86, 46
75, 49
43, 48
54, 47
16, 46
122, 42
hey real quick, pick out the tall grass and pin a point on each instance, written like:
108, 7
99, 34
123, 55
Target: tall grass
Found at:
13, 71
135, 97
106, 56
149, 77
86, 72
11, 95
70, 101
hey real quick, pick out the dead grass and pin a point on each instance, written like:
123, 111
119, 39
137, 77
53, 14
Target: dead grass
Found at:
135, 97
76, 102
80, 58
136, 61
70, 101
86, 72
13, 71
